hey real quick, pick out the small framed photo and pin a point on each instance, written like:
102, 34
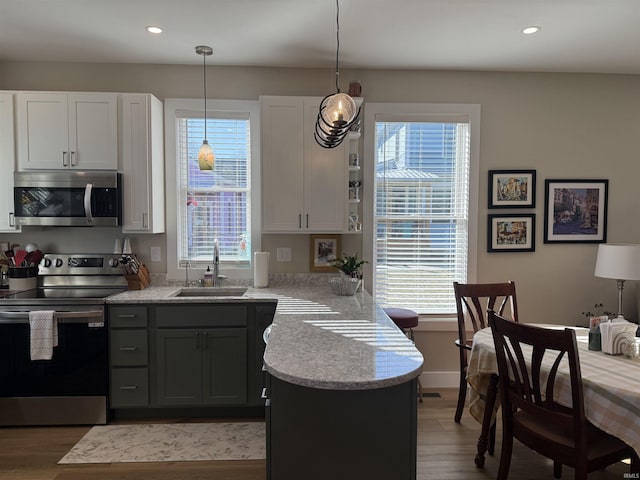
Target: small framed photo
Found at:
511, 233
512, 188
325, 250
575, 211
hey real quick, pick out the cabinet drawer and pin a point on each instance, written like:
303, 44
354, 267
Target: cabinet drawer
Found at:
201, 316
128, 316
129, 347
129, 387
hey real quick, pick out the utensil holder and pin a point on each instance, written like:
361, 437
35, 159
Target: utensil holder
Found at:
139, 281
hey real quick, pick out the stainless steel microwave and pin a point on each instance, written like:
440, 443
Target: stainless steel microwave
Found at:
68, 198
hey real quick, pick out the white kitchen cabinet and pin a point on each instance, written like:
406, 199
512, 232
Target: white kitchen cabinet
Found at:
7, 164
142, 163
305, 186
67, 131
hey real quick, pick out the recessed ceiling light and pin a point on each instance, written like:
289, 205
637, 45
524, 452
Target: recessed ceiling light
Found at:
531, 30
153, 29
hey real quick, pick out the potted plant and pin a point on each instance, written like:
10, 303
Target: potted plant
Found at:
350, 267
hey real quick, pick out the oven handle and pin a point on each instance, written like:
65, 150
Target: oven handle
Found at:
62, 317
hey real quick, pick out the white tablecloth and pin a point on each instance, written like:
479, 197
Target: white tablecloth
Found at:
611, 385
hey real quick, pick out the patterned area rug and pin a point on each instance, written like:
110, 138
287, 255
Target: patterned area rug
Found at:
178, 442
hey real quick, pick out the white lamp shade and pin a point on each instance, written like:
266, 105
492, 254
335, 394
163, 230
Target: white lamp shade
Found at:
618, 261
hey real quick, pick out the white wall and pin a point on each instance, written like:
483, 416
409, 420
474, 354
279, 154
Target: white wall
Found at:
563, 125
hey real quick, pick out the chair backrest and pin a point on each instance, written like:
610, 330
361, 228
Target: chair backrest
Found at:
477, 298
528, 360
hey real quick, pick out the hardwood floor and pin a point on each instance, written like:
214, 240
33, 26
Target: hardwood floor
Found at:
445, 451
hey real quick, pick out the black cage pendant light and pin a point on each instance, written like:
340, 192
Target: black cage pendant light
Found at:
206, 158
338, 111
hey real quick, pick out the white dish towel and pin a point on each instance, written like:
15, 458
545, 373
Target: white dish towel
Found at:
44, 333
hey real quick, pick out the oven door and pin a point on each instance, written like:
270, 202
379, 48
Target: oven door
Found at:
60, 390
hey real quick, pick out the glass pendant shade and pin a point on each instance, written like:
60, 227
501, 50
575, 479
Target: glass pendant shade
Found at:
339, 109
206, 158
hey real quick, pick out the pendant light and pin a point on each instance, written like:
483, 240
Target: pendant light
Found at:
206, 158
338, 111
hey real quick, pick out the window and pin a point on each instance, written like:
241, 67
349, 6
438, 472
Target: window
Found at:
214, 204
425, 200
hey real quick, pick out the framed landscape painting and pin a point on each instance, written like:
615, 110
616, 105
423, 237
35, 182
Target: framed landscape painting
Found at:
511, 233
575, 211
512, 188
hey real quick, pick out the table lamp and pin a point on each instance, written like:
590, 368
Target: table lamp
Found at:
620, 262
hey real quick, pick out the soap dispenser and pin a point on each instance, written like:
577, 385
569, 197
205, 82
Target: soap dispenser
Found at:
208, 278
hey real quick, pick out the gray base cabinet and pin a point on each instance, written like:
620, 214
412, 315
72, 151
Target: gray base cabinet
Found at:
341, 434
187, 355
201, 366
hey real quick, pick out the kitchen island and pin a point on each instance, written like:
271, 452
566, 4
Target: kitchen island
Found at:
341, 388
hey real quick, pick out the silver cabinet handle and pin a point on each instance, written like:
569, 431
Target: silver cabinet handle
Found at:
145, 220
299, 220
129, 387
307, 220
128, 349
128, 315
263, 395
73, 155
12, 221
65, 161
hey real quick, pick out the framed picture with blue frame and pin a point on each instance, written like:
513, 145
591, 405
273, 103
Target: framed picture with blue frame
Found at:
512, 188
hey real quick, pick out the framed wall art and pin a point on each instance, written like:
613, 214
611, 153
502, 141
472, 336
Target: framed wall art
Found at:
511, 233
325, 249
575, 211
512, 188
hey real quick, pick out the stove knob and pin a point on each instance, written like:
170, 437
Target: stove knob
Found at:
59, 262
47, 262
113, 262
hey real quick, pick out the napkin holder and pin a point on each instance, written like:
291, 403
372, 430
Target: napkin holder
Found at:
616, 334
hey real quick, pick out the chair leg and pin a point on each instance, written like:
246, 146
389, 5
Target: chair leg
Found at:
492, 439
419, 391
505, 456
462, 395
557, 470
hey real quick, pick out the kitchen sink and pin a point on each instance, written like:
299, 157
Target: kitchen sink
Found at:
211, 292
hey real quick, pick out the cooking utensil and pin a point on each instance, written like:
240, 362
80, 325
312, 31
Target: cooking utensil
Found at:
19, 257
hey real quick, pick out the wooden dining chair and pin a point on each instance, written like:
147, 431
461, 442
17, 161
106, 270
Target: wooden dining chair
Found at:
474, 300
529, 410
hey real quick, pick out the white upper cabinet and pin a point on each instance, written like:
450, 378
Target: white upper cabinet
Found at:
7, 164
142, 163
67, 130
304, 185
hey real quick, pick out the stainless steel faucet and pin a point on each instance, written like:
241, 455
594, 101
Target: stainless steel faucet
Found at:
187, 264
216, 263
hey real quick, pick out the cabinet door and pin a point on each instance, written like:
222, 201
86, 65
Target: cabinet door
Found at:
43, 131
142, 164
93, 131
282, 164
325, 179
224, 366
7, 164
179, 367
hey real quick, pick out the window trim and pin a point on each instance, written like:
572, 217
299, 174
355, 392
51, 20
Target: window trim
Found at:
419, 112
214, 107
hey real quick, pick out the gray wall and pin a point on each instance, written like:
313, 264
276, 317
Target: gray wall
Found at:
563, 125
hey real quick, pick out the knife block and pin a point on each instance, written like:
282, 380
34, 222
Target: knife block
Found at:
139, 281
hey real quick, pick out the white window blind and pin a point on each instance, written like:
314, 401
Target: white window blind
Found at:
214, 204
421, 218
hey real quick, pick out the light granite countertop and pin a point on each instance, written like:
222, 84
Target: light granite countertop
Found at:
318, 339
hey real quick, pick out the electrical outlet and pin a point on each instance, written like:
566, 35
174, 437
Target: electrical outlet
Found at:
283, 254
156, 254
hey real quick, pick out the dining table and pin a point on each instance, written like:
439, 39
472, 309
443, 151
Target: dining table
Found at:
611, 388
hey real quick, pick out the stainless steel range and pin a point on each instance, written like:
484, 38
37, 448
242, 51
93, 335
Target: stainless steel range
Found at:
72, 387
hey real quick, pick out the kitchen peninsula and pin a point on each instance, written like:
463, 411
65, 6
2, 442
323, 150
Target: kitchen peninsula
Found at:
341, 387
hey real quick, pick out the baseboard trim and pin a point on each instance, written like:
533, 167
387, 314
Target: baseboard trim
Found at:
440, 379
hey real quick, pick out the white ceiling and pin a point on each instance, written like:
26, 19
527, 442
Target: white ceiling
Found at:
577, 35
